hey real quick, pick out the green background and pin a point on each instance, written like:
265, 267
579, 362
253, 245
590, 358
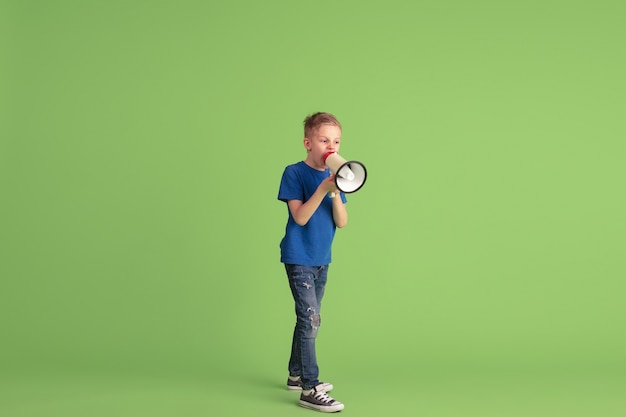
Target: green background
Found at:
482, 269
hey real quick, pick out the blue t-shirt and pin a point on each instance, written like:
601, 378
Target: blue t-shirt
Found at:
309, 244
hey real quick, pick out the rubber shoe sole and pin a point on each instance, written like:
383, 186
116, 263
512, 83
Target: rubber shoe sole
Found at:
320, 401
337, 406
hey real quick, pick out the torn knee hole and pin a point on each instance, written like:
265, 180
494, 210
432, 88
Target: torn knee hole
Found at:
315, 320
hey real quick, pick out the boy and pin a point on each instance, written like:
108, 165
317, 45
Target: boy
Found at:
307, 187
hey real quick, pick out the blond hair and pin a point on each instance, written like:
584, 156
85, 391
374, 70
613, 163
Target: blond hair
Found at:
314, 121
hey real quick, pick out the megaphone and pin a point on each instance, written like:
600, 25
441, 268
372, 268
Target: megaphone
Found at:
349, 175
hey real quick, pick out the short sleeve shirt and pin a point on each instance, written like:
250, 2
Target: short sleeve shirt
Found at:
309, 244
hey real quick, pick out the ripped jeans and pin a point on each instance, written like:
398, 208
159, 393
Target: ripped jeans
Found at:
307, 285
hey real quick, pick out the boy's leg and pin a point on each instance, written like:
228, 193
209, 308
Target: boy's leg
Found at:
306, 284
294, 359
320, 285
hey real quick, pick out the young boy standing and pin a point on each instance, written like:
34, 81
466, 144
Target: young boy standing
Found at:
314, 213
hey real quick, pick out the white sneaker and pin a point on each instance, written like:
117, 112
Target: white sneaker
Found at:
317, 399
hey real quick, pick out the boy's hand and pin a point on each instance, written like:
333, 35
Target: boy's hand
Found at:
328, 185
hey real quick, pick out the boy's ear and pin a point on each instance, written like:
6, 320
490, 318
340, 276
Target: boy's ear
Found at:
307, 144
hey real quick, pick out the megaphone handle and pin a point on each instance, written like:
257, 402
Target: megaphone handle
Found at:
331, 194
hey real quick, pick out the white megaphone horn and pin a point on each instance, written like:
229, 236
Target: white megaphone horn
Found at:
349, 175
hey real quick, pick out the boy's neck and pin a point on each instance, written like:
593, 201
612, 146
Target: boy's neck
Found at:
314, 165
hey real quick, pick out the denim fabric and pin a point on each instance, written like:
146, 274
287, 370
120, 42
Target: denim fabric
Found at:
307, 285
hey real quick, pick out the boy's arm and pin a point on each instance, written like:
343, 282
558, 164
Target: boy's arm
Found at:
302, 211
340, 214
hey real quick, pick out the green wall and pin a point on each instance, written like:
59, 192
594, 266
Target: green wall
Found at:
142, 148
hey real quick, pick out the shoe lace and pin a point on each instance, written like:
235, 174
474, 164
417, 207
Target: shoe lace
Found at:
322, 396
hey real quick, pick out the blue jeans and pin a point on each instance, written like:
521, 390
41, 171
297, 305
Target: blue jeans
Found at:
307, 285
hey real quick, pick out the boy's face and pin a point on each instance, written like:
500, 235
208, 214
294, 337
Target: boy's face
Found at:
326, 139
